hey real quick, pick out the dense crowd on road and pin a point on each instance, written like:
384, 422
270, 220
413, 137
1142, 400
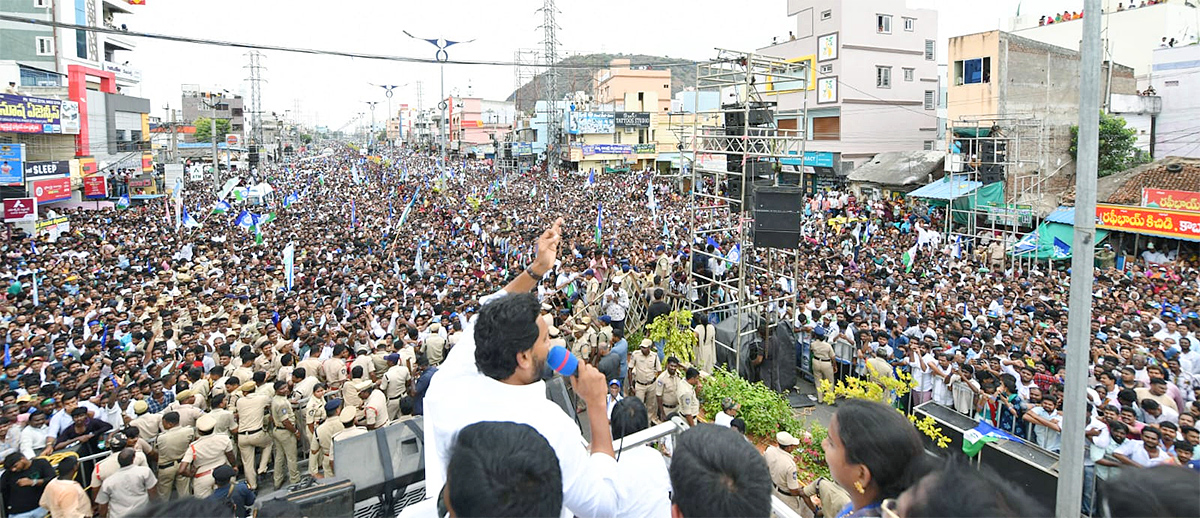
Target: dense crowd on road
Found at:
178, 344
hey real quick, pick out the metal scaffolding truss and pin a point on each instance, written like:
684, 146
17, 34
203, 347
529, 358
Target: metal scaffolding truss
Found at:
990, 149
721, 196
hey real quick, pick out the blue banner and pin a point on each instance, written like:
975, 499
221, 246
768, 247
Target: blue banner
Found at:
607, 149
12, 164
811, 159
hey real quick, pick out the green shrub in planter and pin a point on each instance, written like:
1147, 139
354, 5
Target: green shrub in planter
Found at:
765, 412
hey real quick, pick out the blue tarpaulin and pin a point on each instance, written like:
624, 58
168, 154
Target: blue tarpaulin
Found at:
946, 189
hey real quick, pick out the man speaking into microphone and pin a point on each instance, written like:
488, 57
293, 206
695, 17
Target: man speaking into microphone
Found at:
495, 374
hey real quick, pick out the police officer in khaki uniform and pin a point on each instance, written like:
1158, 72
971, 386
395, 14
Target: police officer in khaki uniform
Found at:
322, 448
185, 405
782, 466
833, 497
375, 406
285, 435
823, 361
689, 404
394, 383
251, 411
220, 411
666, 389
644, 365
348, 416
435, 345
148, 424
109, 465
312, 364
172, 444
205, 454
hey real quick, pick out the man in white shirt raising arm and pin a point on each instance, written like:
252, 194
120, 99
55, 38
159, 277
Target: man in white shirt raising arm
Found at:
495, 374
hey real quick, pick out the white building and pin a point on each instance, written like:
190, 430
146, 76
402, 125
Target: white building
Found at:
1176, 79
1130, 35
874, 84
38, 56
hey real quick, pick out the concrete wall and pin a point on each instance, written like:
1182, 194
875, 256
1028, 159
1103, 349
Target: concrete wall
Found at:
1177, 80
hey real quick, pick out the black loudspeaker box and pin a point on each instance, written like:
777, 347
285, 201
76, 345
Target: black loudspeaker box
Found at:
777, 213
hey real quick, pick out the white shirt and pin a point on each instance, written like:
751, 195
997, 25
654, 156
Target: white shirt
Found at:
643, 484
33, 440
459, 395
1136, 451
722, 419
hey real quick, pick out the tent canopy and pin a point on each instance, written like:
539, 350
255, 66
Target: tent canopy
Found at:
1043, 238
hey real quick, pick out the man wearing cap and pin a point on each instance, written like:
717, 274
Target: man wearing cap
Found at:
285, 435
394, 383
666, 389
434, 344
348, 417
228, 491
645, 365
205, 454
172, 443
321, 450
250, 412
375, 403
823, 361
185, 405
782, 466
729, 410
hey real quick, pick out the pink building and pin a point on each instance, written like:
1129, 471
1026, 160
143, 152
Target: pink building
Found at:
475, 122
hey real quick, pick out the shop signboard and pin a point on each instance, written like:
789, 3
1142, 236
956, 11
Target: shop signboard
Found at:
12, 164
643, 149
50, 191
47, 170
147, 161
20, 210
23, 114
1171, 200
95, 187
632, 119
1153, 222
583, 123
1009, 214
811, 158
607, 149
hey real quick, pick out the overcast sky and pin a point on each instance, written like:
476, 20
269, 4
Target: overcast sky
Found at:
331, 90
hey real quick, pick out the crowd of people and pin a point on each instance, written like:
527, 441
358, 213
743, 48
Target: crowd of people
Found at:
187, 346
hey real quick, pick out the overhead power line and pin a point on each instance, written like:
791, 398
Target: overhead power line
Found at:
317, 52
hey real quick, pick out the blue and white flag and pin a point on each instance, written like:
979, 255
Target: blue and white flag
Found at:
957, 251
599, 223
123, 202
246, 220
716, 246
1027, 244
221, 207
188, 220
735, 254
290, 199
591, 181
1061, 249
420, 266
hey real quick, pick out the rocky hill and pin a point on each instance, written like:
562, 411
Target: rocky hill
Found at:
580, 79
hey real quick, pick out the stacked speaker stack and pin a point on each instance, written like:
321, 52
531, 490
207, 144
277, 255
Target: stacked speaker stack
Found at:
753, 122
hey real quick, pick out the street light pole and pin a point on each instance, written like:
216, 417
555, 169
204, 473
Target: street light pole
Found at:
442, 57
371, 133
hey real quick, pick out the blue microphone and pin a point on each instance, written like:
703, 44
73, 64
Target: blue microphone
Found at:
562, 361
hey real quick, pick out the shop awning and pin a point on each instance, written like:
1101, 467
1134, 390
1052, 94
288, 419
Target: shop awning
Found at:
947, 189
1062, 215
145, 196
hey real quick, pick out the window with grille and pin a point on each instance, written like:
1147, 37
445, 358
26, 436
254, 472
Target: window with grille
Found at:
883, 77
930, 99
929, 48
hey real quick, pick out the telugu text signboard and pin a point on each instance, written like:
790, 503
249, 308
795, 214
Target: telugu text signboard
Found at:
1171, 200
20, 210
50, 191
22, 114
607, 149
1154, 222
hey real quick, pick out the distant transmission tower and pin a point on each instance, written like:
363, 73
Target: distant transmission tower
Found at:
550, 55
256, 80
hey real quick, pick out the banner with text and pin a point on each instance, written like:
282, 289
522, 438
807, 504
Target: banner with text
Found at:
46, 170
95, 187
582, 123
1154, 222
21, 114
607, 149
12, 164
20, 210
49, 191
632, 119
1171, 200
